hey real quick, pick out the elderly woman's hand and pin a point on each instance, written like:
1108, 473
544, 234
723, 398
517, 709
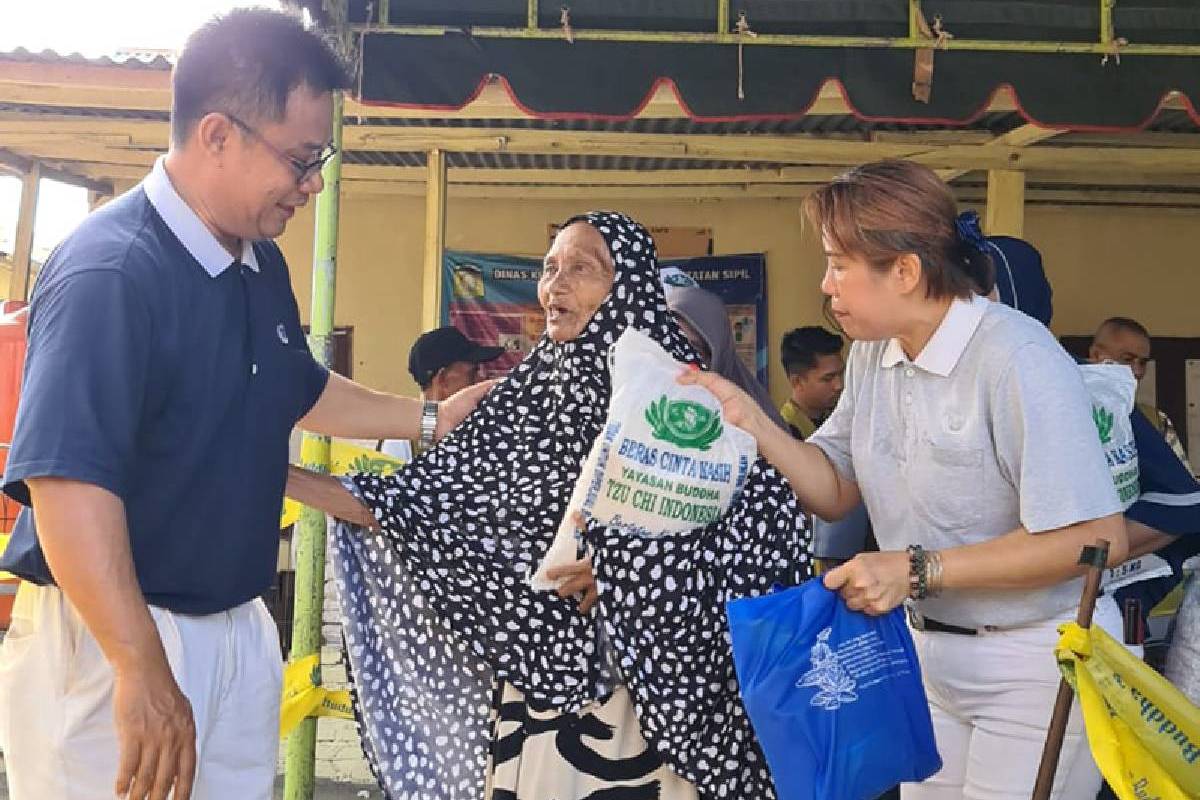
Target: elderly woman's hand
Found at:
577, 577
871, 582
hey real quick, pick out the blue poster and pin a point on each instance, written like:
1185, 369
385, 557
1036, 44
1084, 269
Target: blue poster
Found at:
493, 300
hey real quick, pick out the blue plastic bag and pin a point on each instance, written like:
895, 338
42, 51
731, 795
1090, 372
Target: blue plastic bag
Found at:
835, 696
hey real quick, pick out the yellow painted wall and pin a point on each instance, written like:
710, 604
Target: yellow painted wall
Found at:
1101, 261
1132, 262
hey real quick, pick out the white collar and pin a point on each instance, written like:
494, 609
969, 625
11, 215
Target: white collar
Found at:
187, 226
943, 350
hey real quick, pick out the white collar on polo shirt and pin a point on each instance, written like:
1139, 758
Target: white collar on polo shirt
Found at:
187, 227
943, 350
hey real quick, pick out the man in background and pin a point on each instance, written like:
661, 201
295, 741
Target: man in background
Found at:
442, 362
1122, 340
812, 358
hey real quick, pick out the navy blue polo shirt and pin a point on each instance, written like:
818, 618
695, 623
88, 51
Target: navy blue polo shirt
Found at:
167, 372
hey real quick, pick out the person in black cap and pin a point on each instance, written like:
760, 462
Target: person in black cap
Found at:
442, 362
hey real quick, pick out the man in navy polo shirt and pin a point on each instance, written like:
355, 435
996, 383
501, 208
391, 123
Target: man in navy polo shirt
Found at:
166, 367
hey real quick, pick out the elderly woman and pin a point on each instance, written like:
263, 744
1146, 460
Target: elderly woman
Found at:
465, 676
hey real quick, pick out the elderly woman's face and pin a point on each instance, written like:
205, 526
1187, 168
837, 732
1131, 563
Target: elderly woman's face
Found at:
577, 275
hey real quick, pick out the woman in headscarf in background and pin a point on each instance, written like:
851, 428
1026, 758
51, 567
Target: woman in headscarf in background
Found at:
464, 674
705, 322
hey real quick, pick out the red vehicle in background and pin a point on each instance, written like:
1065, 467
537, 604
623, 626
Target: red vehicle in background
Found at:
13, 319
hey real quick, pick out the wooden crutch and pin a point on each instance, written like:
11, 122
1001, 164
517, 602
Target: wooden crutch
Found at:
1094, 557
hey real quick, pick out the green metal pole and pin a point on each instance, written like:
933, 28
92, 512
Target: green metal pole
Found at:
1106, 22
300, 766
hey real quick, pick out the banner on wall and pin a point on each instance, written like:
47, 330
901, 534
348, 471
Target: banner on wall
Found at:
671, 241
493, 300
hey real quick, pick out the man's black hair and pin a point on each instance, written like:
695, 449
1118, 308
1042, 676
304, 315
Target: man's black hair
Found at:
801, 348
246, 63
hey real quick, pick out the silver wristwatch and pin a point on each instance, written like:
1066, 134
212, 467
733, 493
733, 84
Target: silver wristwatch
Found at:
429, 415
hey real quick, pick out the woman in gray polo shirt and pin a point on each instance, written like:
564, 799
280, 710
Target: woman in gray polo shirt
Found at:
967, 430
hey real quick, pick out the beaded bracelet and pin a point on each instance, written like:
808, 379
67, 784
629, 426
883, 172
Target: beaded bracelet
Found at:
918, 576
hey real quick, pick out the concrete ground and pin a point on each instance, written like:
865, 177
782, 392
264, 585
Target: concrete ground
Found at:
326, 789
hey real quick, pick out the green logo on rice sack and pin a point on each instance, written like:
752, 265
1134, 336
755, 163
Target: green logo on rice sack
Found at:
683, 423
1104, 423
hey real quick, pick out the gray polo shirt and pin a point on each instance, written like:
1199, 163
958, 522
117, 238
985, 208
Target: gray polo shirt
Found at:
988, 429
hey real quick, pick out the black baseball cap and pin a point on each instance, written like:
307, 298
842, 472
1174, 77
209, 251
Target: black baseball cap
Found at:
440, 348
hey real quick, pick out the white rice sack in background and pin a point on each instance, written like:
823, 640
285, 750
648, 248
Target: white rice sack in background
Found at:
666, 460
1112, 387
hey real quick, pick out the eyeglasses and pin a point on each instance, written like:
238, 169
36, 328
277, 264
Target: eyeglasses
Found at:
303, 169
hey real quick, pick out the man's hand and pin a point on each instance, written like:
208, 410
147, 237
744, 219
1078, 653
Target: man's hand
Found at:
454, 409
155, 733
84, 536
871, 582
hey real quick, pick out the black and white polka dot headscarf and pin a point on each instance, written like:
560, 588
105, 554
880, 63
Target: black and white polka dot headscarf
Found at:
438, 607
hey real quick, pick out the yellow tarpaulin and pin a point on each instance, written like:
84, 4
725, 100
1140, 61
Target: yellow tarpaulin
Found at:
1143, 732
344, 458
4, 576
302, 697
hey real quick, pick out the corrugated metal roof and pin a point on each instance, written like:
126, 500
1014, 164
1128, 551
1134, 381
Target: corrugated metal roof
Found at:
133, 115
158, 62
547, 161
997, 123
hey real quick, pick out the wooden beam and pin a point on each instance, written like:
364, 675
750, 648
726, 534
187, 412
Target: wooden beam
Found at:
1124, 198
565, 192
86, 152
1023, 136
138, 141
435, 239
111, 172
794, 149
84, 86
1005, 203
785, 40
597, 177
18, 165
121, 132
1161, 139
1133, 179
22, 258
121, 173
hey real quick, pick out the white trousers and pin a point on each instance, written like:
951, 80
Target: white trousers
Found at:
56, 724
991, 697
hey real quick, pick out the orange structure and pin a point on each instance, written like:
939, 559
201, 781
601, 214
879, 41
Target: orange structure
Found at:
13, 317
